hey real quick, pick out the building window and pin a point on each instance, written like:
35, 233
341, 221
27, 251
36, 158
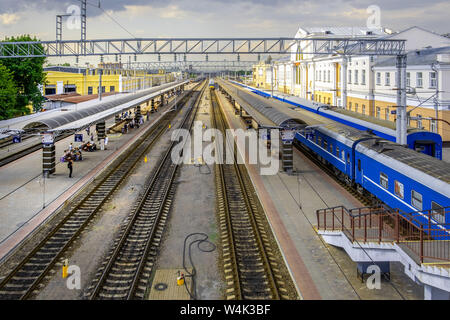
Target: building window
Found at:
432, 79
349, 76
419, 80
386, 113
329, 76
433, 126
378, 112
112, 89
399, 189
419, 121
378, 78
408, 79
363, 109
416, 200
384, 180
356, 77
90, 90
350, 106
387, 79
356, 107
363, 77
437, 212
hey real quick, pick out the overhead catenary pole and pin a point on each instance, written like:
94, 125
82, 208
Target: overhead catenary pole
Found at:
100, 91
401, 122
344, 82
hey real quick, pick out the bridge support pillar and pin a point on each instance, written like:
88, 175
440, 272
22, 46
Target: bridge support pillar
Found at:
101, 132
137, 114
433, 293
48, 158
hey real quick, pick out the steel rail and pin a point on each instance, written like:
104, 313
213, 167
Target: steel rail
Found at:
164, 175
251, 209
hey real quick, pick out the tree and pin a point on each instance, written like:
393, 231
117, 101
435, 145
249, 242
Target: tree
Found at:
8, 92
28, 73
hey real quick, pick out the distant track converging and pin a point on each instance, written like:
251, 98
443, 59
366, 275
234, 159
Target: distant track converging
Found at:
252, 262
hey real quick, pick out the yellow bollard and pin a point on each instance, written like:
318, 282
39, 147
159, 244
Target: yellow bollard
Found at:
170, 125
65, 269
145, 159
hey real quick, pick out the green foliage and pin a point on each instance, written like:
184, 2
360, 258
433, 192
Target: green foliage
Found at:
8, 92
27, 73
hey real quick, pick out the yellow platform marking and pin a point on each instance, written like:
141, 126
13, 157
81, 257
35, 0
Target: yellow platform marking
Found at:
173, 291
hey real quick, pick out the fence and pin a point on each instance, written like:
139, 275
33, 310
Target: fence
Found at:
420, 232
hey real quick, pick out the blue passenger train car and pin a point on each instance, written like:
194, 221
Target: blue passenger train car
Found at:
397, 176
420, 140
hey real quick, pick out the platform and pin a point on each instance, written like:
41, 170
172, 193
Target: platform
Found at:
166, 280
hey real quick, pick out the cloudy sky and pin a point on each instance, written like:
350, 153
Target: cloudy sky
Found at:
209, 18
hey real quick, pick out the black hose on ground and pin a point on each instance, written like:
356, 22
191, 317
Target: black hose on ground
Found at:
192, 275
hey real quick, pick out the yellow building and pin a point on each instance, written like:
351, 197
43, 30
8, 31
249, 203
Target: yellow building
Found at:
85, 81
262, 75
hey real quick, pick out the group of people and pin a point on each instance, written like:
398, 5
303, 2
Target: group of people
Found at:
131, 124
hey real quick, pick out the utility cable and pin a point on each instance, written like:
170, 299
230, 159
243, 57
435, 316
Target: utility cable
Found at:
193, 274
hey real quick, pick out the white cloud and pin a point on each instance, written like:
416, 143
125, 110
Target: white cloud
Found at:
9, 18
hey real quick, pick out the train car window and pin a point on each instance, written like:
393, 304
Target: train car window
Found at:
399, 189
319, 141
331, 148
343, 155
438, 212
325, 144
337, 151
359, 164
348, 158
384, 180
416, 200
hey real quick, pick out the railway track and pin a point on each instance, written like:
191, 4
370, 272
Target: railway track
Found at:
24, 278
126, 271
364, 199
253, 265
22, 153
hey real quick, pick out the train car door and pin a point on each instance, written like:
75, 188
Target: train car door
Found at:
426, 147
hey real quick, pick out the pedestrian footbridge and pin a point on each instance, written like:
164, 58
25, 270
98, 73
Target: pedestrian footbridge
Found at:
377, 236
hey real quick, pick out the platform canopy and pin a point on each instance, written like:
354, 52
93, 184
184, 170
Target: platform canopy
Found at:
250, 103
74, 120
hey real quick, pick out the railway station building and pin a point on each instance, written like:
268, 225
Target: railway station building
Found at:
368, 86
85, 81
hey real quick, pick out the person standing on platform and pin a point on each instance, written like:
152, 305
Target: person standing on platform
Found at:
70, 165
70, 147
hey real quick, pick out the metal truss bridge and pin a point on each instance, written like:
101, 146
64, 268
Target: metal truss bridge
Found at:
203, 46
192, 65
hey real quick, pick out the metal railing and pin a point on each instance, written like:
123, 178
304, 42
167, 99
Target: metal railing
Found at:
421, 234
